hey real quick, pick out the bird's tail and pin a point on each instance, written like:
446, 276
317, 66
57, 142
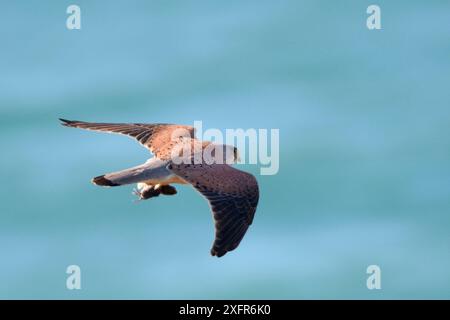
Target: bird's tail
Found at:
152, 169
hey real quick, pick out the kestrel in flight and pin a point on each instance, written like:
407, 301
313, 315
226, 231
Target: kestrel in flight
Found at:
232, 194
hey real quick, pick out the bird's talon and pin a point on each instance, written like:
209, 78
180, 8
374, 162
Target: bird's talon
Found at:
140, 194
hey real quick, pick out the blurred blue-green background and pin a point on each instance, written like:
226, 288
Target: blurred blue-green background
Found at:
364, 119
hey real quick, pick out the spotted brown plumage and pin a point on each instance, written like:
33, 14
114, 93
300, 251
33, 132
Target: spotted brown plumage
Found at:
232, 194
158, 138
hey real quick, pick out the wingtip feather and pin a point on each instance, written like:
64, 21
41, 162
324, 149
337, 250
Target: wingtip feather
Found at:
218, 254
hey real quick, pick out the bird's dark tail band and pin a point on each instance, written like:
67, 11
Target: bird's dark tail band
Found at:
102, 181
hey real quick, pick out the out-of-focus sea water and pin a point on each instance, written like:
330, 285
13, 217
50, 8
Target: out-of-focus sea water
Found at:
364, 119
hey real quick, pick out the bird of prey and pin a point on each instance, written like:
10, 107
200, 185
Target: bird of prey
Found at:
232, 194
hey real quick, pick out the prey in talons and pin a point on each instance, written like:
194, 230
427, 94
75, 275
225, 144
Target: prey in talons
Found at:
232, 194
145, 191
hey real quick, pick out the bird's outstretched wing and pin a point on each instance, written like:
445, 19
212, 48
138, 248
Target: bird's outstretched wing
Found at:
158, 138
233, 196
